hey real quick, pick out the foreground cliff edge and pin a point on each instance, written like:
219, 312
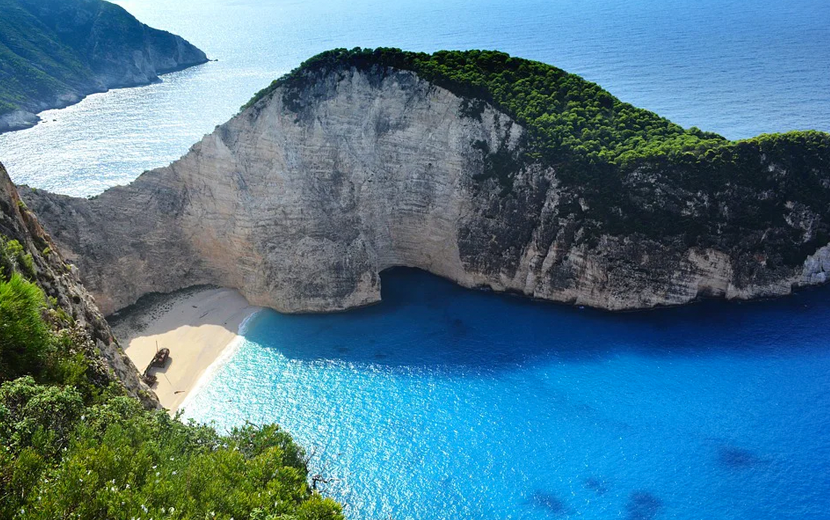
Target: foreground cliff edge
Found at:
75, 311
53, 53
484, 169
81, 436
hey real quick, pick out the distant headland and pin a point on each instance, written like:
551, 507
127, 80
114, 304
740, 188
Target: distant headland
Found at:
53, 53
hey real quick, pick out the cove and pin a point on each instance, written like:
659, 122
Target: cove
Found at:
443, 402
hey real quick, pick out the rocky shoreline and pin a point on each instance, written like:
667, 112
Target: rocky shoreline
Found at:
22, 119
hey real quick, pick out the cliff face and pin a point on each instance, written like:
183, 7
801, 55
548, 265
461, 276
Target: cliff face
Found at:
302, 199
55, 52
60, 281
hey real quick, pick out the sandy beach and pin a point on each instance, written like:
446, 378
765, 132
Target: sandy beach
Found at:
195, 324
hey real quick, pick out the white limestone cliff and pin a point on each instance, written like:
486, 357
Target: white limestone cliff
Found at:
302, 209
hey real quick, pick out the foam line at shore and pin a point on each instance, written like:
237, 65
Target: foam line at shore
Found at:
227, 354
197, 325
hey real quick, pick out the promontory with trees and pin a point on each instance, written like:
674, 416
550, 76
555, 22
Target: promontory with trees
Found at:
598, 142
55, 52
486, 169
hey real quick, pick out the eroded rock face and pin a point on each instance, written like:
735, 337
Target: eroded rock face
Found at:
301, 203
60, 281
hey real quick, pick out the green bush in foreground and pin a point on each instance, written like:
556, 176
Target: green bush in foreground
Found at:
120, 461
71, 449
24, 337
117, 460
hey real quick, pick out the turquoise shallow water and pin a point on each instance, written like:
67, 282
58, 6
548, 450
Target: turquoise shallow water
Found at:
447, 403
738, 67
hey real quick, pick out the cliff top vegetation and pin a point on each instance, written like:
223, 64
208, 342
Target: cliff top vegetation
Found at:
634, 169
569, 117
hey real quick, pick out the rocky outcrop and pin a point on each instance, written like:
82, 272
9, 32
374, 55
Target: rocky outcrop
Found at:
60, 283
55, 52
302, 199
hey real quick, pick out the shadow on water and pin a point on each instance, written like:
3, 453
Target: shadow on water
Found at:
642, 505
596, 485
736, 458
426, 321
550, 503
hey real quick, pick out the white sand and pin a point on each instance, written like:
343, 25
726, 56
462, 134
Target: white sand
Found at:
196, 325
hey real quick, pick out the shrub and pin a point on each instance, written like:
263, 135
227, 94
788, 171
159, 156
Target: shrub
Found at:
13, 257
123, 461
75, 449
25, 338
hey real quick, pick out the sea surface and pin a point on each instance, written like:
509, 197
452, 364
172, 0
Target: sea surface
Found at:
443, 402
446, 403
737, 67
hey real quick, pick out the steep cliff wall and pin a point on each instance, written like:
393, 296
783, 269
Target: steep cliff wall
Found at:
60, 282
302, 199
55, 52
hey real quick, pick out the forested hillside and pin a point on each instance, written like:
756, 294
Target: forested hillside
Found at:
54, 52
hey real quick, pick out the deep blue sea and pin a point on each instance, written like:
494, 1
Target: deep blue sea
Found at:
443, 402
446, 403
737, 67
